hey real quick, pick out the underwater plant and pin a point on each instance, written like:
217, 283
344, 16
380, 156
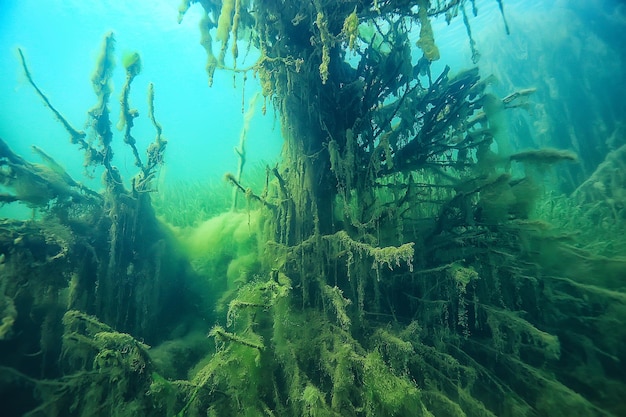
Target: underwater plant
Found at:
382, 157
92, 257
398, 260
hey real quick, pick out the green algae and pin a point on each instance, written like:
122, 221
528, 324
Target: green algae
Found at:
393, 263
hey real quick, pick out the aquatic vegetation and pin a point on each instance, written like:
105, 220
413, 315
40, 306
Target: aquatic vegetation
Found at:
190, 202
37, 185
426, 41
83, 242
132, 64
403, 257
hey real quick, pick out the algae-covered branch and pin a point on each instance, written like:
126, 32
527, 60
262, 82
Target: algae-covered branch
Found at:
384, 157
101, 253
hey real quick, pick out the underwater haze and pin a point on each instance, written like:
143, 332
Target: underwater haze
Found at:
356, 208
61, 42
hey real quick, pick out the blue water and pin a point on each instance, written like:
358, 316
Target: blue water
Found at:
61, 40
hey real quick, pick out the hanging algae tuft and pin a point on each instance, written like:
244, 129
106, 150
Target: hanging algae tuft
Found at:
206, 40
225, 17
426, 41
225, 20
322, 26
224, 25
351, 29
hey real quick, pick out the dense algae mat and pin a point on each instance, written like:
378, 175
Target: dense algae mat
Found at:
392, 264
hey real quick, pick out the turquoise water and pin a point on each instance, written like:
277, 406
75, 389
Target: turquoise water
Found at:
61, 41
203, 124
486, 283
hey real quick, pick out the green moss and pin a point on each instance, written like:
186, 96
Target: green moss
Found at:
225, 249
8, 313
325, 39
387, 394
225, 20
426, 41
314, 403
351, 29
104, 67
132, 63
462, 275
